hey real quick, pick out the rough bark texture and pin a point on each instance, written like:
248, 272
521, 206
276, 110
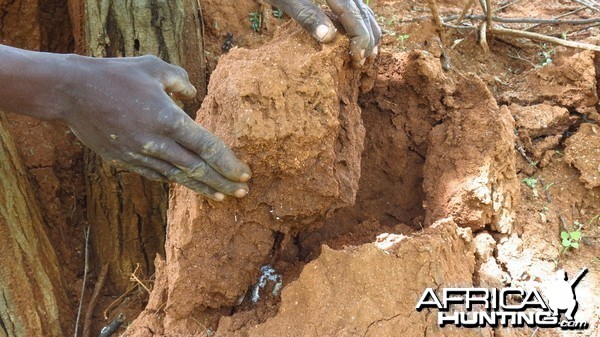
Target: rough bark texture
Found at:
126, 212
28, 263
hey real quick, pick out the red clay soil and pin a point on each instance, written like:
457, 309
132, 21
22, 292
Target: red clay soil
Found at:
439, 153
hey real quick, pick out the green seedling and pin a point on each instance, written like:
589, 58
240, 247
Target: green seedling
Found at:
545, 56
571, 239
278, 13
530, 181
255, 21
401, 39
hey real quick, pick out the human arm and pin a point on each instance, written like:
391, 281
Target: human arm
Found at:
120, 108
356, 17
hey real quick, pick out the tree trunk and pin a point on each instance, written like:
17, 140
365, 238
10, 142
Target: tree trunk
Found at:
126, 212
32, 293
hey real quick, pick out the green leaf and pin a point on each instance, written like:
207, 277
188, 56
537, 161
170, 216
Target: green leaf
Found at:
575, 244
566, 243
564, 235
575, 235
530, 181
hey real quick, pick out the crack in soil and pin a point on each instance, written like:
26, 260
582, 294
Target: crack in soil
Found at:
379, 321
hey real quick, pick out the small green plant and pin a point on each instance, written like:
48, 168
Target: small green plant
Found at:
255, 21
401, 39
530, 181
545, 56
570, 239
278, 13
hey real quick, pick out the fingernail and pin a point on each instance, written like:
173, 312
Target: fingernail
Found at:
362, 54
219, 196
322, 32
244, 177
362, 62
375, 51
240, 193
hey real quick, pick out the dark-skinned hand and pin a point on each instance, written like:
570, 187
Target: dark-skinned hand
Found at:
356, 17
121, 110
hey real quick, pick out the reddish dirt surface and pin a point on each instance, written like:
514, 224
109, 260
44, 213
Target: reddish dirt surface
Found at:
439, 153
368, 187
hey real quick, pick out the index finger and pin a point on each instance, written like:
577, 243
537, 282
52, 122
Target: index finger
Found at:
357, 23
212, 150
309, 16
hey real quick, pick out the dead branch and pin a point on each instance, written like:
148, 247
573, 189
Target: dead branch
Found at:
85, 271
464, 11
137, 280
589, 4
487, 25
544, 38
483, 37
87, 323
488, 12
525, 20
117, 301
437, 19
558, 17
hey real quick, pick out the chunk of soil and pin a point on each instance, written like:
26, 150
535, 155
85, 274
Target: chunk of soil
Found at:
290, 110
365, 290
583, 152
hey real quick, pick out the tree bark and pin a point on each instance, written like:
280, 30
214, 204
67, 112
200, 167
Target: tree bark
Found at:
32, 293
127, 214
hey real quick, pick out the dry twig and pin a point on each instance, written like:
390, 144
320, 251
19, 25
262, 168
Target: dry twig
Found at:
136, 279
116, 301
87, 323
464, 11
437, 19
589, 4
526, 20
545, 38
487, 25
483, 37
558, 17
85, 271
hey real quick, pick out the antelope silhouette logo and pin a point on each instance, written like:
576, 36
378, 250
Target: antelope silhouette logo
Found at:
561, 294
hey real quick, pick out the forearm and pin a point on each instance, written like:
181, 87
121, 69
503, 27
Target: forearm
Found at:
35, 83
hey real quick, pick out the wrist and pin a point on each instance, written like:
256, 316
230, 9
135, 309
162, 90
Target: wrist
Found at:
38, 84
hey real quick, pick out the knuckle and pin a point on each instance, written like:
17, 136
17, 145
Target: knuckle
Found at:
150, 147
152, 59
182, 73
170, 122
213, 148
173, 173
199, 170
